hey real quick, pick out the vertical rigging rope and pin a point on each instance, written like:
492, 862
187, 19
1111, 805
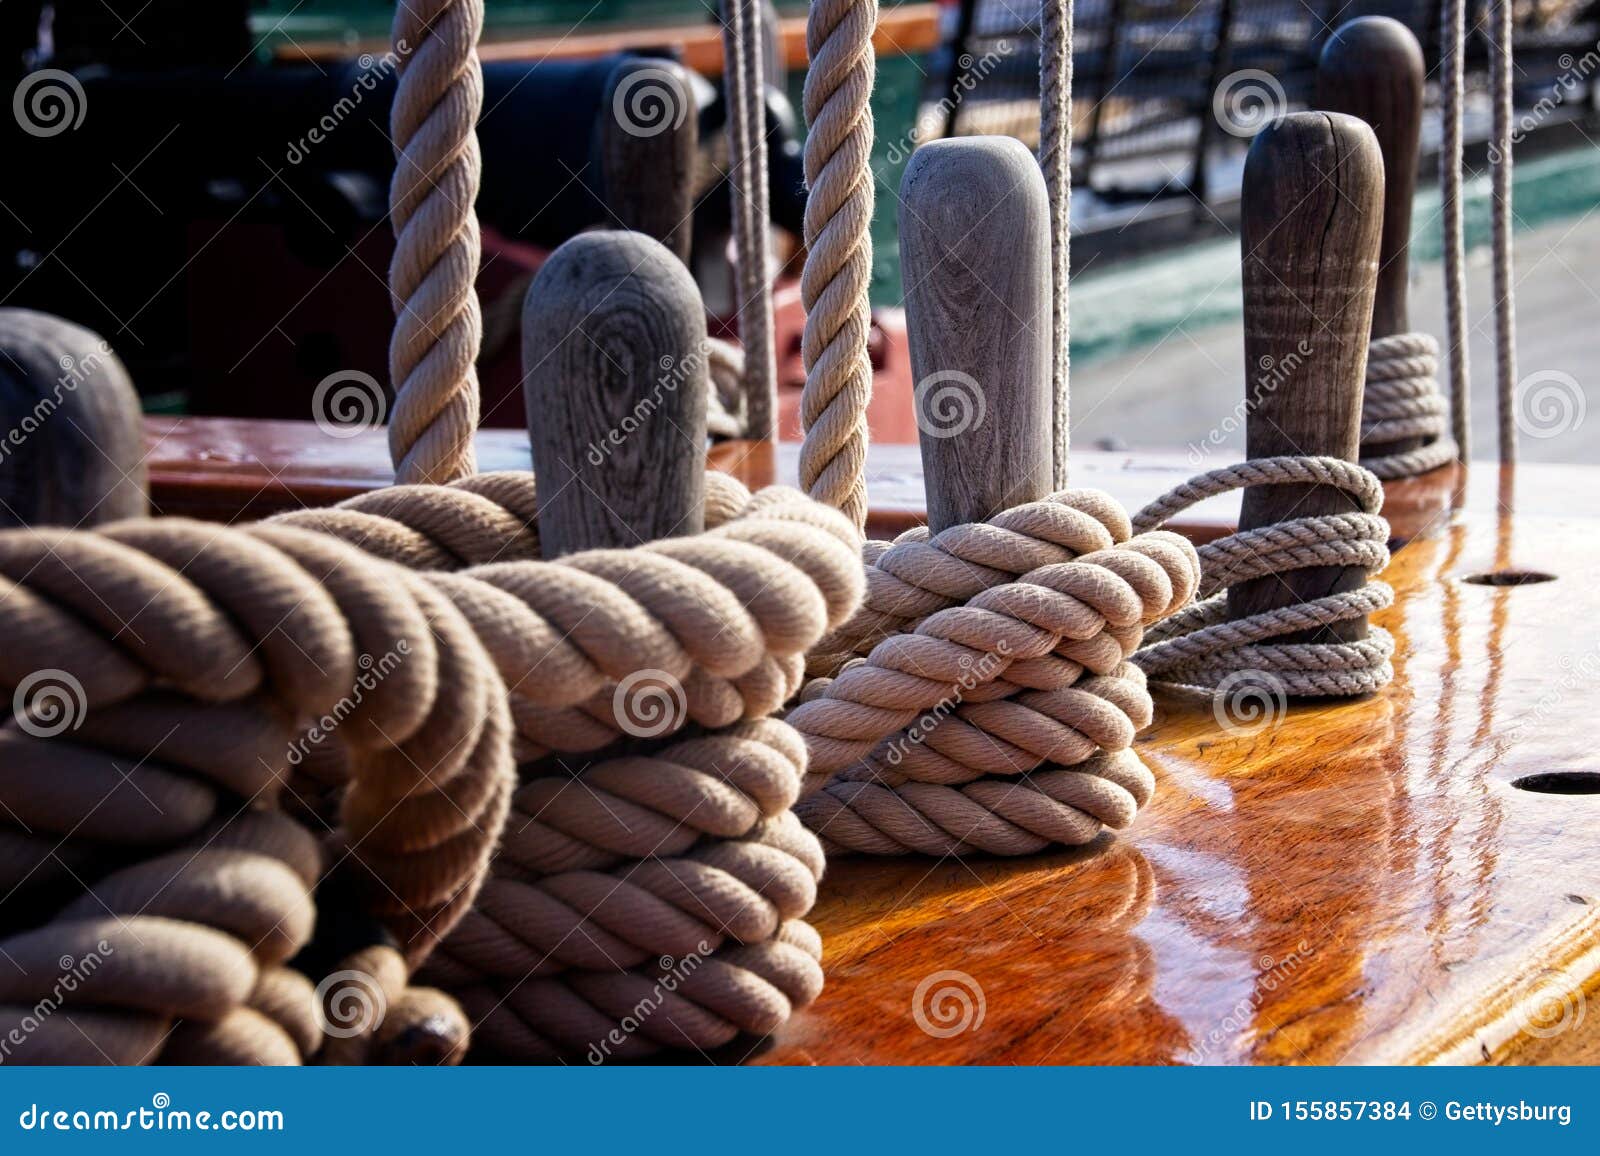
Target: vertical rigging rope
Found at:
1055, 158
438, 326
838, 272
745, 88
1452, 50
1505, 339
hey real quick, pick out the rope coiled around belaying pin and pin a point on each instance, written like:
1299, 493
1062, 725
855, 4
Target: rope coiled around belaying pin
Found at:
197, 653
1402, 402
1200, 647
935, 741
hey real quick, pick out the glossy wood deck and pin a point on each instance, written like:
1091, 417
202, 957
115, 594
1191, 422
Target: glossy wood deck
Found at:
1356, 882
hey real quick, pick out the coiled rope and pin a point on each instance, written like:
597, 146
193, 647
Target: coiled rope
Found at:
838, 269
1401, 401
438, 324
1199, 647
934, 742
199, 654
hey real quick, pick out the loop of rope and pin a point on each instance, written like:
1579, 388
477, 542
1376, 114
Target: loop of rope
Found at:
996, 649
1401, 401
1200, 647
199, 653
838, 271
438, 324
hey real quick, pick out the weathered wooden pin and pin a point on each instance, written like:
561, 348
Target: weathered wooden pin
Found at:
649, 136
1311, 211
975, 263
71, 435
1372, 68
614, 378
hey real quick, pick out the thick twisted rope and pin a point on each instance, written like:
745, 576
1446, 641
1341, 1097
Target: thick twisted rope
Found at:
1055, 158
202, 653
686, 851
1402, 401
838, 269
1024, 674
1199, 647
438, 324
743, 57
722, 619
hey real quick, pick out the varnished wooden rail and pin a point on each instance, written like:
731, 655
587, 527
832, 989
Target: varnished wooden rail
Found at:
908, 29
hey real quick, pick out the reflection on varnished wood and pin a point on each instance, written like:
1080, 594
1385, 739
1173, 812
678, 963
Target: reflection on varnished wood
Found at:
1355, 882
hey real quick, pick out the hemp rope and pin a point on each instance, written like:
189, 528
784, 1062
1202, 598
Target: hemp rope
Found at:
692, 852
745, 87
261, 629
1452, 67
1400, 401
1199, 647
1505, 337
1028, 671
438, 326
838, 268
1055, 158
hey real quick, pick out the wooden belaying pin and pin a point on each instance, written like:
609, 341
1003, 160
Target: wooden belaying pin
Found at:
649, 135
71, 435
1311, 214
615, 378
975, 264
1372, 68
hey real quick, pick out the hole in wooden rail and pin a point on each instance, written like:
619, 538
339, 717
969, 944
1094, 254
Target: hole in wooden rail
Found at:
1560, 783
1509, 578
